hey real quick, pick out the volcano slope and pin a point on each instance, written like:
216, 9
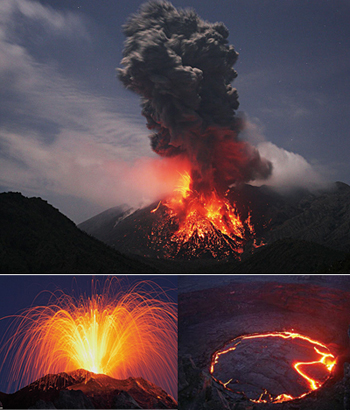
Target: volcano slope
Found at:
314, 224
81, 389
36, 238
229, 307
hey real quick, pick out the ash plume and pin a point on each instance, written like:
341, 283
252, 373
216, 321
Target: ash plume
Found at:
182, 68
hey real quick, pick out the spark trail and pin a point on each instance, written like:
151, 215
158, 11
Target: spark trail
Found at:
120, 331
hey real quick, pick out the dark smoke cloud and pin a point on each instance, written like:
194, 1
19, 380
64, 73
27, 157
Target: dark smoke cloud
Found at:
182, 68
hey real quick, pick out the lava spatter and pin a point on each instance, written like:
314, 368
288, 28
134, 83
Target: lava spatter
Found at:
194, 224
121, 330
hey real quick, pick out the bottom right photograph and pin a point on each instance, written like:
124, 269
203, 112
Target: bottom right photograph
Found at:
251, 342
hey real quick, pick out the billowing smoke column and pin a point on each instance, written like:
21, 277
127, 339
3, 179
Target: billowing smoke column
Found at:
182, 68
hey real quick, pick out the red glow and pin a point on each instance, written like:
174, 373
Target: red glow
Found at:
118, 332
200, 214
326, 359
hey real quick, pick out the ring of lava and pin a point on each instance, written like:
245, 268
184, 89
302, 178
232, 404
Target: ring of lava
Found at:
272, 367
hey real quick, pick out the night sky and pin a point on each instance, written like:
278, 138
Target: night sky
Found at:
18, 292
71, 134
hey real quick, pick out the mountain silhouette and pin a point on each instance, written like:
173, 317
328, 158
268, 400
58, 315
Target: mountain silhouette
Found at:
81, 389
300, 232
36, 238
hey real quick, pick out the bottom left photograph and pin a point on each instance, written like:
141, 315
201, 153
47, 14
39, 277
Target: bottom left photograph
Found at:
88, 342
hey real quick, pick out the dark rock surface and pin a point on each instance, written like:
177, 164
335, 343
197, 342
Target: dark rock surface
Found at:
303, 232
123, 400
36, 238
211, 317
81, 389
71, 399
347, 386
323, 218
286, 255
266, 363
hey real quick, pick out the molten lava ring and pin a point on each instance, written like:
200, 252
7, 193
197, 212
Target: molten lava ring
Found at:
272, 367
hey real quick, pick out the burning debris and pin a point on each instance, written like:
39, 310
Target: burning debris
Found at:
200, 225
121, 331
182, 68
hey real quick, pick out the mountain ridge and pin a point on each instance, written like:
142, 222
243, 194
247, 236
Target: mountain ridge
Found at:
304, 232
83, 389
300, 225
36, 238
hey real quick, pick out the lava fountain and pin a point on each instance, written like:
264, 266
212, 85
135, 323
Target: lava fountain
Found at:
118, 332
299, 363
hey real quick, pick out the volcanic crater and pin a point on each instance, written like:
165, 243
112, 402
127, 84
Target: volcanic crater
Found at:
263, 366
258, 369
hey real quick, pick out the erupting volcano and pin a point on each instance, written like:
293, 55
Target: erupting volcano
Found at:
280, 349
121, 331
182, 68
200, 223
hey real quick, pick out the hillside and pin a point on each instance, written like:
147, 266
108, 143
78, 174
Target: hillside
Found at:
303, 232
80, 389
36, 238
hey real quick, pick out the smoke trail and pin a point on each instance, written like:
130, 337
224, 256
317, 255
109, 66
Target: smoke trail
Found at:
182, 68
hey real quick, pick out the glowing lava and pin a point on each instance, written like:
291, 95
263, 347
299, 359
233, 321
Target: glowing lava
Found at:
325, 360
207, 219
119, 333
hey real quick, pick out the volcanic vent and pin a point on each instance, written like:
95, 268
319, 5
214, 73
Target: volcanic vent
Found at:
182, 68
121, 334
250, 344
196, 225
264, 368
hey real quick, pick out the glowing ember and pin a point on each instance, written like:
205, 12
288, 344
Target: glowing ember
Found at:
313, 372
119, 333
206, 219
182, 67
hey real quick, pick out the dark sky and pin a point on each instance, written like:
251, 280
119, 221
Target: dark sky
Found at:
19, 292
70, 132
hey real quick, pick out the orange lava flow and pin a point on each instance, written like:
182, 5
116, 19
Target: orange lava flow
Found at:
326, 358
200, 213
118, 332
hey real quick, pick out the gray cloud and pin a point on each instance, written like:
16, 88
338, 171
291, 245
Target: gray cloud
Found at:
182, 68
290, 170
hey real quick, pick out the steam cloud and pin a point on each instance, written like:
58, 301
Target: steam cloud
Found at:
182, 68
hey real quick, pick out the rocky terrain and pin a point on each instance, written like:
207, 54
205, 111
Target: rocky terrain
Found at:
322, 217
302, 232
81, 389
218, 313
